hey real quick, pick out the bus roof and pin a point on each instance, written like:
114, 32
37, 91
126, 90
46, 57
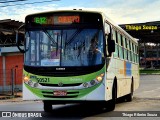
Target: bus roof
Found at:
59, 11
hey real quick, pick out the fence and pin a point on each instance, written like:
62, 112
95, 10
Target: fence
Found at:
10, 81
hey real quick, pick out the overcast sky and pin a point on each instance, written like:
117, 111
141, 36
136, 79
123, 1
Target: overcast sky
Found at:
120, 11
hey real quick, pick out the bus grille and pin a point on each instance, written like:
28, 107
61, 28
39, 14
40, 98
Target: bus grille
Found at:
47, 96
64, 85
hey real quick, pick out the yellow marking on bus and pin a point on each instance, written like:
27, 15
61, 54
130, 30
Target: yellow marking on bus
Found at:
124, 68
121, 71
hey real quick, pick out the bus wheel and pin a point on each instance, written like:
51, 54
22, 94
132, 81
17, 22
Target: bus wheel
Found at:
111, 104
129, 97
47, 106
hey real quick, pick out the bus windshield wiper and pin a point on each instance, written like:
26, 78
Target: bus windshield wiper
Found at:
48, 34
73, 36
45, 31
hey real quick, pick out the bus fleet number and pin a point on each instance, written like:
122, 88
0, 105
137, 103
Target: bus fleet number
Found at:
42, 80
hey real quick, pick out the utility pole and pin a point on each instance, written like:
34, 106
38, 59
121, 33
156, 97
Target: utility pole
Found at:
13, 79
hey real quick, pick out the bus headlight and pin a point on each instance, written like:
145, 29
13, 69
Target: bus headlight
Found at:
35, 85
100, 77
94, 82
30, 83
85, 85
26, 79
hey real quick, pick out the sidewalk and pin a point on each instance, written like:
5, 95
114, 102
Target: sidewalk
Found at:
9, 98
17, 98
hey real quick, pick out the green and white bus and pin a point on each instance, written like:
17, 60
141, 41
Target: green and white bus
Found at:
77, 56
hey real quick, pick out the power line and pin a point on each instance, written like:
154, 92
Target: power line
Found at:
29, 3
6, 1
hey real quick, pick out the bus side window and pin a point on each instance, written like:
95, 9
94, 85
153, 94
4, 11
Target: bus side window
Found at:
130, 46
124, 47
137, 60
116, 43
107, 29
119, 38
107, 35
132, 58
127, 53
120, 45
114, 35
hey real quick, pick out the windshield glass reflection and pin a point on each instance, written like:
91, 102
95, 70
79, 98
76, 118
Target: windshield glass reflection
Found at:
73, 47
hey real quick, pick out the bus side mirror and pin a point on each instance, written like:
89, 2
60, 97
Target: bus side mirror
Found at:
20, 40
111, 47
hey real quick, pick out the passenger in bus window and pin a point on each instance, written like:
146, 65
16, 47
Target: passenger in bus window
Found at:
94, 55
55, 54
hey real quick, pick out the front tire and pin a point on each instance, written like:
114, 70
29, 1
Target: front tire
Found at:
112, 103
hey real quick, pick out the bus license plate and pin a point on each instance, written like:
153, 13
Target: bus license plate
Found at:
60, 93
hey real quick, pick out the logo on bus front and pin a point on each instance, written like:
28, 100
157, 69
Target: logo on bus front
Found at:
60, 68
60, 84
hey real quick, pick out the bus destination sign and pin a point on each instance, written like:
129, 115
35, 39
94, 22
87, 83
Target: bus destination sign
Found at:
57, 20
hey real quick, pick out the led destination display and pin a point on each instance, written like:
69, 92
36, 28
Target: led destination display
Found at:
54, 20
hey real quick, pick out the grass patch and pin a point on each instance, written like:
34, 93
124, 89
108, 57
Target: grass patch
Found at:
150, 71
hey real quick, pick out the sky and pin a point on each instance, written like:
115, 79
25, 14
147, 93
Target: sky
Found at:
120, 11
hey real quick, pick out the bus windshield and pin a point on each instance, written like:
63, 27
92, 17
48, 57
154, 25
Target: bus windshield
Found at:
64, 47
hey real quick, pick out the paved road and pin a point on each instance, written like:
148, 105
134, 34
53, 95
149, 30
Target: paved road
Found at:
146, 98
